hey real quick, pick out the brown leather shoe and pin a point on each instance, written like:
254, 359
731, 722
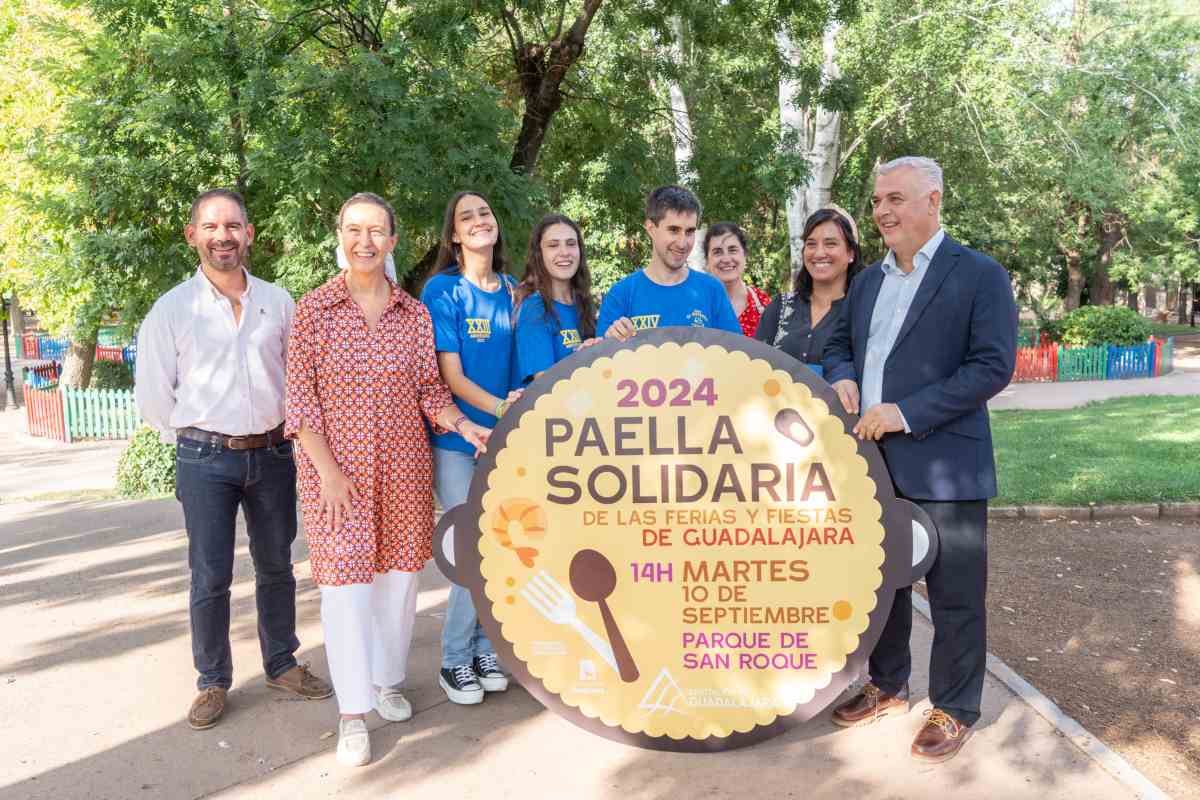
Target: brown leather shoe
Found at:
207, 708
302, 683
870, 705
940, 738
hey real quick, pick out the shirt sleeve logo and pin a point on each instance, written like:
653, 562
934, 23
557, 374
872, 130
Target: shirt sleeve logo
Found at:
479, 329
698, 319
645, 322
570, 338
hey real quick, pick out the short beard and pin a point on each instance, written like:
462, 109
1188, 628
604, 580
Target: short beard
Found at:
243, 258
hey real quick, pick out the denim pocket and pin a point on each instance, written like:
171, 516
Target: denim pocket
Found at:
282, 450
190, 451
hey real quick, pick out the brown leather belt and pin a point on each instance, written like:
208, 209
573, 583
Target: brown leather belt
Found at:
251, 442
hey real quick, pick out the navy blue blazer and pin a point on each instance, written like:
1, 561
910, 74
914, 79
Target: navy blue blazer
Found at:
956, 350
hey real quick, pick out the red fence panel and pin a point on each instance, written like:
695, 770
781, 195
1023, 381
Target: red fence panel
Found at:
44, 413
108, 353
1037, 363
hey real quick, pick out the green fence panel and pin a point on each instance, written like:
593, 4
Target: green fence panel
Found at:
100, 414
1082, 363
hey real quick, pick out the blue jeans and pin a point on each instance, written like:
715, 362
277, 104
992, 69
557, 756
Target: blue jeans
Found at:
211, 482
462, 635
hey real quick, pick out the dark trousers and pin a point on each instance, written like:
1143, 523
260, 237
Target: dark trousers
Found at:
957, 586
211, 482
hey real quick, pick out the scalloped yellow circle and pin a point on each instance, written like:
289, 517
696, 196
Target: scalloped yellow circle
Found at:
739, 657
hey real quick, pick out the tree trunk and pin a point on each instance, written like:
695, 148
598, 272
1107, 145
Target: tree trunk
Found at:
1075, 280
1181, 315
542, 69
1112, 233
232, 53
682, 137
77, 366
18, 317
1131, 298
819, 131
1151, 294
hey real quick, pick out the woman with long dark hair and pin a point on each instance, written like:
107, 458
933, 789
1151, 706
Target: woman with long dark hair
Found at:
470, 299
556, 314
800, 322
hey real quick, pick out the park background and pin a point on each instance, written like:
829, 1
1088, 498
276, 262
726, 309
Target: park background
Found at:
1068, 130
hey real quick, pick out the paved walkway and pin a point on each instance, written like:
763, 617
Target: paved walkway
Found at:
95, 678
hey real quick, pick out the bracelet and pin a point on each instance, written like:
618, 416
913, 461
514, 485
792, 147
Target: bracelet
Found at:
461, 419
501, 407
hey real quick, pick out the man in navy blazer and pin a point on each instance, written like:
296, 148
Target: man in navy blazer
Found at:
928, 335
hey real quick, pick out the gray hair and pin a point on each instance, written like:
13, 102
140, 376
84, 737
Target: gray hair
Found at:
927, 167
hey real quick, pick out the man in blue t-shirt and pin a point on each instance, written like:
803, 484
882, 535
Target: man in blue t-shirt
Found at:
666, 292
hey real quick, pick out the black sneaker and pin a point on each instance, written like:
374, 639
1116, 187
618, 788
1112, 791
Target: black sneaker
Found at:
487, 668
461, 685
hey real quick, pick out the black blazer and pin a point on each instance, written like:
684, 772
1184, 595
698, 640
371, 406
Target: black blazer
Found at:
955, 351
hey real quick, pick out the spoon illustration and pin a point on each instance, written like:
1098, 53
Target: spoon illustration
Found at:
593, 579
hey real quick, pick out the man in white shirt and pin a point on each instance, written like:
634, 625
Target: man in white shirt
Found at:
210, 378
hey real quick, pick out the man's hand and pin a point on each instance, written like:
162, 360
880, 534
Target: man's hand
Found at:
847, 392
337, 492
622, 330
879, 419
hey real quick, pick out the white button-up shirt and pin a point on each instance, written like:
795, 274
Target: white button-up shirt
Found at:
896, 295
198, 367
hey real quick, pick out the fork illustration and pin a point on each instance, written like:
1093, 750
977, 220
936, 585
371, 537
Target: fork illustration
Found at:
555, 603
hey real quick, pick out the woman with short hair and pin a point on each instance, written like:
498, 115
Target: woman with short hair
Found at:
362, 381
725, 258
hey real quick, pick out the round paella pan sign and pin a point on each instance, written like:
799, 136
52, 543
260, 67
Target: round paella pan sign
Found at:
676, 543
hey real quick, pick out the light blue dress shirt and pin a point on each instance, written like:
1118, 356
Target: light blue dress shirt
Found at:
891, 308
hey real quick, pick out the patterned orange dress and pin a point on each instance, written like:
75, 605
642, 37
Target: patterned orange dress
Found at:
366, 392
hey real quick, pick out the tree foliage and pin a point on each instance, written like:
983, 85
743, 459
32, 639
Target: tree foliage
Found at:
1066, 130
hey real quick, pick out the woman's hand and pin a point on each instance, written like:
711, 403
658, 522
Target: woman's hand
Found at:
589, 343
337, 493
475, 435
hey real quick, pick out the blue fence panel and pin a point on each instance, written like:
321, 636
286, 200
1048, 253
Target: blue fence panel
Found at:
1135, 361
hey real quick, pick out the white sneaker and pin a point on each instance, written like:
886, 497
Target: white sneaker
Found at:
392, 706
491, 677
354, 743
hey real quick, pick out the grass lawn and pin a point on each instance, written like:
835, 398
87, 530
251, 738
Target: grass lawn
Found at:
1168, 329
1129, 450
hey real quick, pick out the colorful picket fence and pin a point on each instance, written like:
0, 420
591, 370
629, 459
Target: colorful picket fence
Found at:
1050, 362
44, 413
122, 354
66, 414
43, 376
99, 413
37, 346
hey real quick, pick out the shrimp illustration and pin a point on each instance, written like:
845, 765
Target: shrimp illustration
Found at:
523, 518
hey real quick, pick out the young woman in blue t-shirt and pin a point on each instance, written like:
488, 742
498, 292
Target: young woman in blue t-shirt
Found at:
556, 314
470, 299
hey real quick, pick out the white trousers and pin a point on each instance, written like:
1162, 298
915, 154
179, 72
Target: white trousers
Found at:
368, 631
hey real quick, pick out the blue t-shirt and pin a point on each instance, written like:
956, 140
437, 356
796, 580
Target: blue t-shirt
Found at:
699, 301
477, 325
542, 342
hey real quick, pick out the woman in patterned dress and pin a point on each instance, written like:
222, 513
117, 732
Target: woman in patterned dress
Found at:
800, 322
362, 378
725, 257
